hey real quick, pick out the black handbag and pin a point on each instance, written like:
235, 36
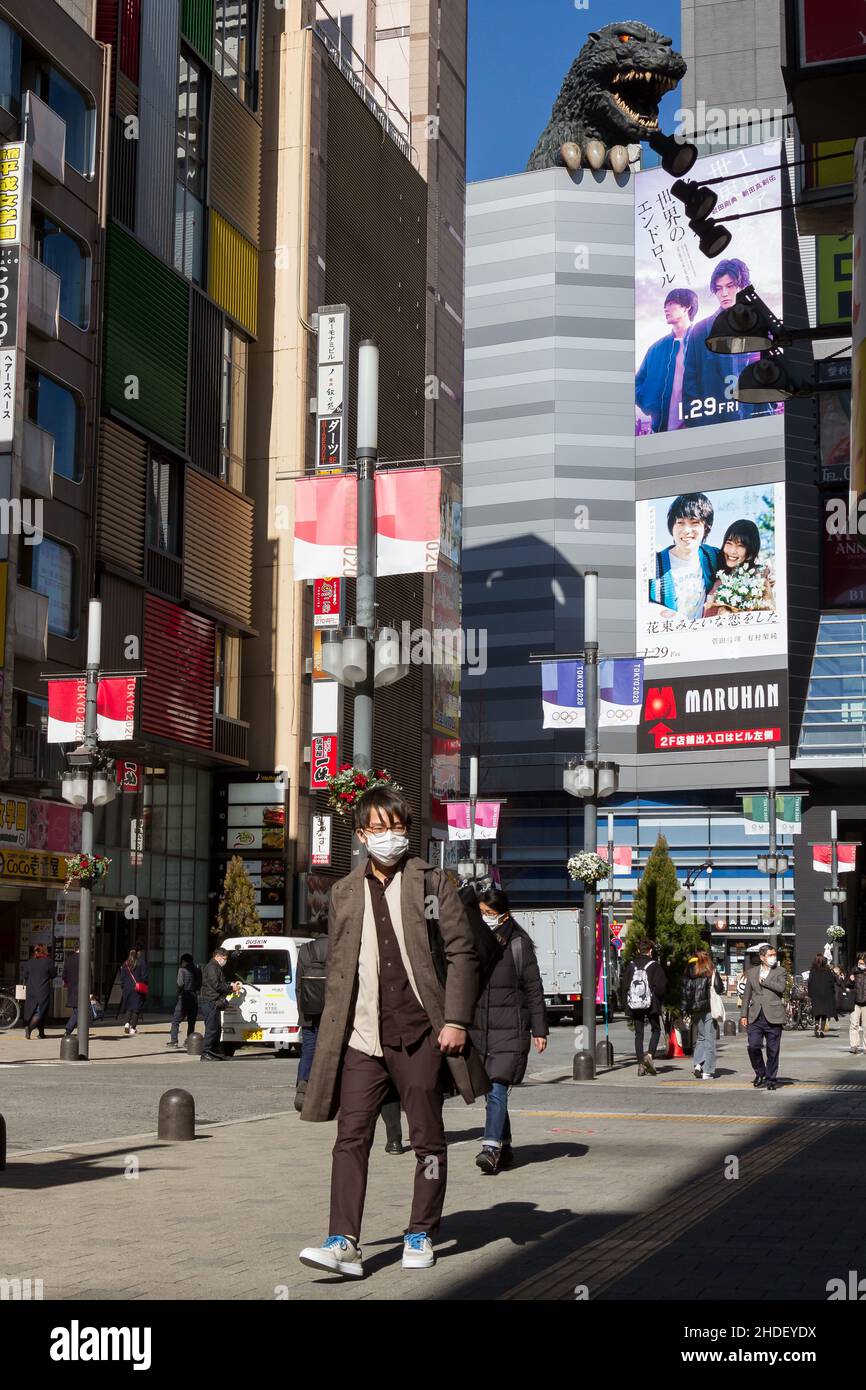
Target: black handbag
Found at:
845, 1000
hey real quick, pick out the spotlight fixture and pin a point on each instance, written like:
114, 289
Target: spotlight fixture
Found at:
712, 236
677, 156
767, 381
748, 326
698, 200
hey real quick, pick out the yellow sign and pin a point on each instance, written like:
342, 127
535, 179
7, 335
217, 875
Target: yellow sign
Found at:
28, 866
835, 278
11, 191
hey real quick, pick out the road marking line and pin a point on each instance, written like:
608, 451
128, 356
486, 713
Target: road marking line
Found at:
603, 1262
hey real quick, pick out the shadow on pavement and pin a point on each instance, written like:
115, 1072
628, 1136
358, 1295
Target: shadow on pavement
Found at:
61, 1172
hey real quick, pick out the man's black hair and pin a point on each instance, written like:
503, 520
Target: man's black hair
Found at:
391, 805
686, 298
694, 506
738, 271
186, 957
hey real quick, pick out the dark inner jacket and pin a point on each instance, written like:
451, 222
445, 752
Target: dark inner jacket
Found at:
312, 959
696, 989
857, 982
214, 985
185, 980
658, 983
510, 1011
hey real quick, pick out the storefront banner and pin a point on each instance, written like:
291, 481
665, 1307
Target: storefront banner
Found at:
53, 826
622, 858
35, 931
323, 761
22, 866
320, 840
756, 814
679, 382
846, 857
128, 776
486, 820
692, 712
711, 576
620, 689
328, 602
13, 822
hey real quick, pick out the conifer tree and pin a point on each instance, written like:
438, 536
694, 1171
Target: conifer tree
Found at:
237, 914
662, 914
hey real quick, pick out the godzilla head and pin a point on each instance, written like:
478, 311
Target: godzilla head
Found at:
620, 76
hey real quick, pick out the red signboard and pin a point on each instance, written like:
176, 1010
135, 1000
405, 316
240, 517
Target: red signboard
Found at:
128, 775
328, 596
323, 761
830, 31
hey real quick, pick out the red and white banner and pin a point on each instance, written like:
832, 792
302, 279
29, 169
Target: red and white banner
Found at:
407, 524
846, 855
323, 761
66, 701
128, 776
622, 857
328, 602
115, 709
486, 820
407, 521
326, 527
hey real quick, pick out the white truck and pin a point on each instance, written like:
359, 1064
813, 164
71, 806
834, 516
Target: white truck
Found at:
556, 934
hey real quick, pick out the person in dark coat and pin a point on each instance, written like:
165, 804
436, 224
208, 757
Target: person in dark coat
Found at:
215, 995
509, 1012
643, 998
70, 980
186, 1004
822, 992
700, 982
132, 972
38, 974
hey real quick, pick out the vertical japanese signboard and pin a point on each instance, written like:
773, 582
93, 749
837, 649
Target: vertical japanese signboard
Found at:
332, 389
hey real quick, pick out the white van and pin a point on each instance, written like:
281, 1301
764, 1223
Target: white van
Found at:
267, 1011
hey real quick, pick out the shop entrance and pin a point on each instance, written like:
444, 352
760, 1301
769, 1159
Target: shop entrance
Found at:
115, 937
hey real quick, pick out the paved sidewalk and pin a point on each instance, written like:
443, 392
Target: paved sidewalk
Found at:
623, 1187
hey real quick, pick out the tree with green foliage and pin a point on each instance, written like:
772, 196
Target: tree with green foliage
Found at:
661, 913
237, 914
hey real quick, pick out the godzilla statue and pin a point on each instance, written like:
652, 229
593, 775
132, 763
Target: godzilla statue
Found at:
609, 100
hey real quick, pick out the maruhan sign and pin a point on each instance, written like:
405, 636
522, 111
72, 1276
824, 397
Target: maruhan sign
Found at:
717, 698
691, 712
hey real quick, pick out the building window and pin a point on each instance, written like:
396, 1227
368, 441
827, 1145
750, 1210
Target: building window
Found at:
10, 68
51, 568
58, 410
69, 103
63, 253
190, 169
163, 505
227, 673
236, 48
233, 409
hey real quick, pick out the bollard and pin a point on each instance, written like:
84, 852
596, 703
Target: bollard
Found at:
604, 1053
69, 1049
176, 1115
730, 1028
195, 1044
583, 1067
2, 1144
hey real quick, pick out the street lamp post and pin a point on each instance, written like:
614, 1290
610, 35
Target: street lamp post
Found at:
834, 895
367, 452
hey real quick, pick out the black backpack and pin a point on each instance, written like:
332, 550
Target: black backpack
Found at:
486, 944
311, 984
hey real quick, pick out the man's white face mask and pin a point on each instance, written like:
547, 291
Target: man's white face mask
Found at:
386, 846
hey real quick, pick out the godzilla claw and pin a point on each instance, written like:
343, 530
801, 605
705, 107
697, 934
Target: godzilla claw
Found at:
570, 155
595, 153
618, 157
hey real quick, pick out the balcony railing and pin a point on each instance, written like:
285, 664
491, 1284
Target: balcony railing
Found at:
357, 73
33, 758
230, 737
43, 300
164, 573
31, 624
47, 136
37, 462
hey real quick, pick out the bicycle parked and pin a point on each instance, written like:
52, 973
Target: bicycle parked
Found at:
10, 1012
800, 1014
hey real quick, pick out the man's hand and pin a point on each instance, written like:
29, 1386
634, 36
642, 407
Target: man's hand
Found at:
452, 1040
540, 1044
744, 1023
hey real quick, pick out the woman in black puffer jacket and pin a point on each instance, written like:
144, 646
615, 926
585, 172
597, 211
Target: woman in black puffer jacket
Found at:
699, 982
510, 1010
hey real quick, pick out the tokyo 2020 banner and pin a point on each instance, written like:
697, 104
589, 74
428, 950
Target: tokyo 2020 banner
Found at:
679, 383
711, 575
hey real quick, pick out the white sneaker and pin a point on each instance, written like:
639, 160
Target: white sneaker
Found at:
708, 1076
338, 1255
698, 1071
126, 1029
418, 1251
132, 1032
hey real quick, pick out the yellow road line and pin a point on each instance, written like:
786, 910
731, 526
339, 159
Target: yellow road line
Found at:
625, 1115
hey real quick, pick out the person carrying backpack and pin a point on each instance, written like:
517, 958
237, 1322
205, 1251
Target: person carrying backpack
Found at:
643, 988
186, 1004
509, 1012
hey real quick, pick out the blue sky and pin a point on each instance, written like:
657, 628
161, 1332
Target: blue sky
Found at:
519, 52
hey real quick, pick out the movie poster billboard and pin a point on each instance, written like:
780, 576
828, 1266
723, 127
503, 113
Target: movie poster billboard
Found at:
679, 383
711, 573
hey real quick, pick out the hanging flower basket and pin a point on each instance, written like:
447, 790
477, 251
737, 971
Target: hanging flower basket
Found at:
349, 783
85, 869
588, 867
836, 933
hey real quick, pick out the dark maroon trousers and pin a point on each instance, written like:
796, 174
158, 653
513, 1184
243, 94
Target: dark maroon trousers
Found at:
364, 1084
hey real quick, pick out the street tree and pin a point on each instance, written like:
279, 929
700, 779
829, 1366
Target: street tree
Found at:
662, 914
237, 914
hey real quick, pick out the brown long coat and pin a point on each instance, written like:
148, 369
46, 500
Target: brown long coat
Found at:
456, 1002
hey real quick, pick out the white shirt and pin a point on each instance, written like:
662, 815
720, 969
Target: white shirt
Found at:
689, 589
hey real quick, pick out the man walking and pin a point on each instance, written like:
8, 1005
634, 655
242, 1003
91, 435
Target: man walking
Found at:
643, 988
388, 1022
186, 1004
857, 1021
215, 994
764, 1013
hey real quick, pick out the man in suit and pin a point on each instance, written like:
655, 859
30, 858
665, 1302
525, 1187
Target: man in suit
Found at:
388, 1022
764, 1014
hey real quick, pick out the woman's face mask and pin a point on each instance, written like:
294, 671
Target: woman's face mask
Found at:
498, 921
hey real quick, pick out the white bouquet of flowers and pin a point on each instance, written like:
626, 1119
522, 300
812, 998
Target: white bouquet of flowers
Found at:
836, 933
588, 867
743, 590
